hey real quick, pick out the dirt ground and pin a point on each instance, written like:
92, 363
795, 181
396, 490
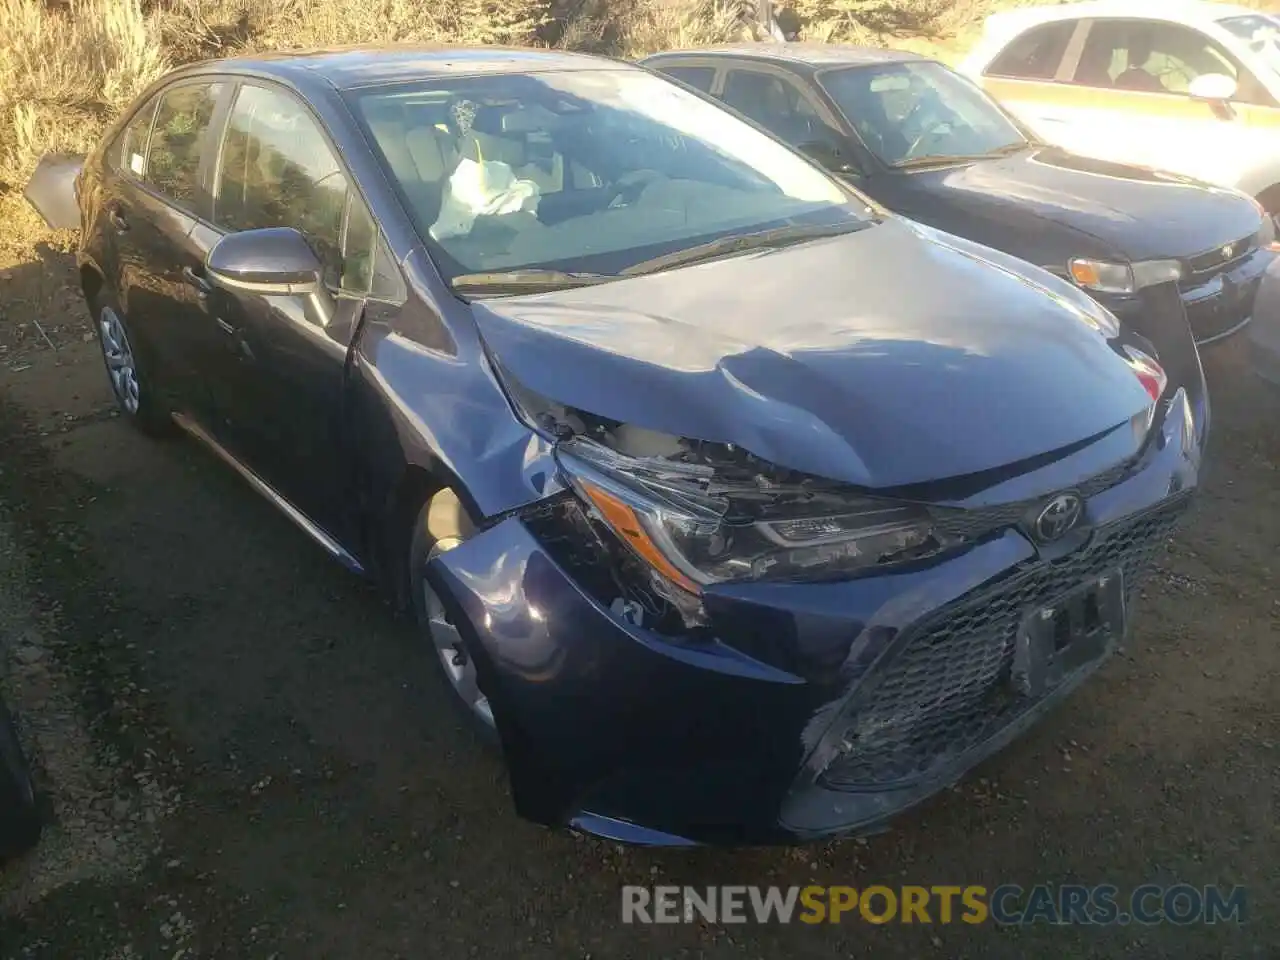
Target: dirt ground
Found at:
242, 755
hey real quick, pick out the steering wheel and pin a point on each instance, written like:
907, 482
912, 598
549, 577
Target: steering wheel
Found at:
628, 187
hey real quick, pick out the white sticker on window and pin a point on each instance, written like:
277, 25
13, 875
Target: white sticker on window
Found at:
135, 163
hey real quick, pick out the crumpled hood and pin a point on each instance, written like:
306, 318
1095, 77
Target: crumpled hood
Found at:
891, 356
1139, 214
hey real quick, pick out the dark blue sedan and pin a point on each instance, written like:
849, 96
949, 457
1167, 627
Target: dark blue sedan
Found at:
737, 508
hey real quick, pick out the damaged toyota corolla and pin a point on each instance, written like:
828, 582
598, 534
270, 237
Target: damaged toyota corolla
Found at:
736, 508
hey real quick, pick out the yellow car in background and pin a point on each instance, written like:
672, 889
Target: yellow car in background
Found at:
1189, 86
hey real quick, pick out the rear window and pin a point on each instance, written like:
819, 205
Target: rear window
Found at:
177, 140
130, 152
1034, 55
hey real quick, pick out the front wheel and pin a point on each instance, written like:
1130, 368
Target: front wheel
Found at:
132, 387
442, 525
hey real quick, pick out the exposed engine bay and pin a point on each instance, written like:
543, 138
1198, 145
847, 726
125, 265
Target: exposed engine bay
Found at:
708, 500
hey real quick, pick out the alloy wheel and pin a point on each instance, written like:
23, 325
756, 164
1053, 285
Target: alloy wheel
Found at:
121, 366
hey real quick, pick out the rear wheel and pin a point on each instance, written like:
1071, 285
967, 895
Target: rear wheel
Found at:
442, 525
132, 387
19, 818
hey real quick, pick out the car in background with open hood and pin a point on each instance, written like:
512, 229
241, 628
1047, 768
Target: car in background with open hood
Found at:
929, 144
736, 508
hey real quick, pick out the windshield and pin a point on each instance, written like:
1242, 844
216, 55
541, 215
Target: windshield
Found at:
908, 111
584, 171
1260, 33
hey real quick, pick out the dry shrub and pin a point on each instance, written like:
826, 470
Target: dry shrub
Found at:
64, 71
861, 21
647, 26
326, 23
205, 29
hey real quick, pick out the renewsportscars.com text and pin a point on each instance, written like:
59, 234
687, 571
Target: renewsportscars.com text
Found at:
1007, 904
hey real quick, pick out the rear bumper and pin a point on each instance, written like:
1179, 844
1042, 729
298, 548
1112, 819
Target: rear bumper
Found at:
1217, 309
643, 738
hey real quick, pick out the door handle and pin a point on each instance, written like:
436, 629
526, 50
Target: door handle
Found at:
203, 286
224, 326
117, 220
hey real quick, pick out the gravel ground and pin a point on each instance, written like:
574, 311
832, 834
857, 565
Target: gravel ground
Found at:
242, 756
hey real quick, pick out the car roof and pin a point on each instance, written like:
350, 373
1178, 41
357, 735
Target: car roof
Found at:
361, 66
799, 54
1190, 12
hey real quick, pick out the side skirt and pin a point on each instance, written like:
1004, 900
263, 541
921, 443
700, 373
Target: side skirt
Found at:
330, 545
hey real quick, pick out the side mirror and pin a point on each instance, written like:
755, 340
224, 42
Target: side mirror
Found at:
273, 261
828, 156
1217, 87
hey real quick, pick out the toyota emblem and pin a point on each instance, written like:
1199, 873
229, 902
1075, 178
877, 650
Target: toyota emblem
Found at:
1058, 517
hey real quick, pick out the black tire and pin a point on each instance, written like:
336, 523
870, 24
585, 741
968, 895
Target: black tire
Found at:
421, 545
19, 817
149, 412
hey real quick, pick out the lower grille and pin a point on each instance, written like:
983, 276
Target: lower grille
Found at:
947, 690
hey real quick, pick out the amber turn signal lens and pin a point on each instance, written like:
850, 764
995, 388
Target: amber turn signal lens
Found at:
1085, 273
627, 525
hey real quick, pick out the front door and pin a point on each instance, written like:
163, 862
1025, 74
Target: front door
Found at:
278, 376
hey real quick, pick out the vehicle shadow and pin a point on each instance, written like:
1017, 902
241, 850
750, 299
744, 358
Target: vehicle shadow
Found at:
41, 307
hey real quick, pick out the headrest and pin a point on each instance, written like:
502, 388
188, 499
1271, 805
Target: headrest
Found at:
432, 152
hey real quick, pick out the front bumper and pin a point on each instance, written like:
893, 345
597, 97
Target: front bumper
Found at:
646, 739
1217, 308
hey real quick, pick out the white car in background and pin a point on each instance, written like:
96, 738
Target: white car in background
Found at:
1188, 86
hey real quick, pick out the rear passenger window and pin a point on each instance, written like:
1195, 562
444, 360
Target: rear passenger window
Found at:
173, 162
699, 77
277, 170
130, 155
1036, 54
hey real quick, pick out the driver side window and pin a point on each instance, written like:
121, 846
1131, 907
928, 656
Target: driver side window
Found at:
277, 170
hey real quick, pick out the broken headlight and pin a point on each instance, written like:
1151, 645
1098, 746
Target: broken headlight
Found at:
696, 522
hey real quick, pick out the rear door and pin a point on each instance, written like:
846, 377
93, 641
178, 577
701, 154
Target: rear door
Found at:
153, 195
279, 371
